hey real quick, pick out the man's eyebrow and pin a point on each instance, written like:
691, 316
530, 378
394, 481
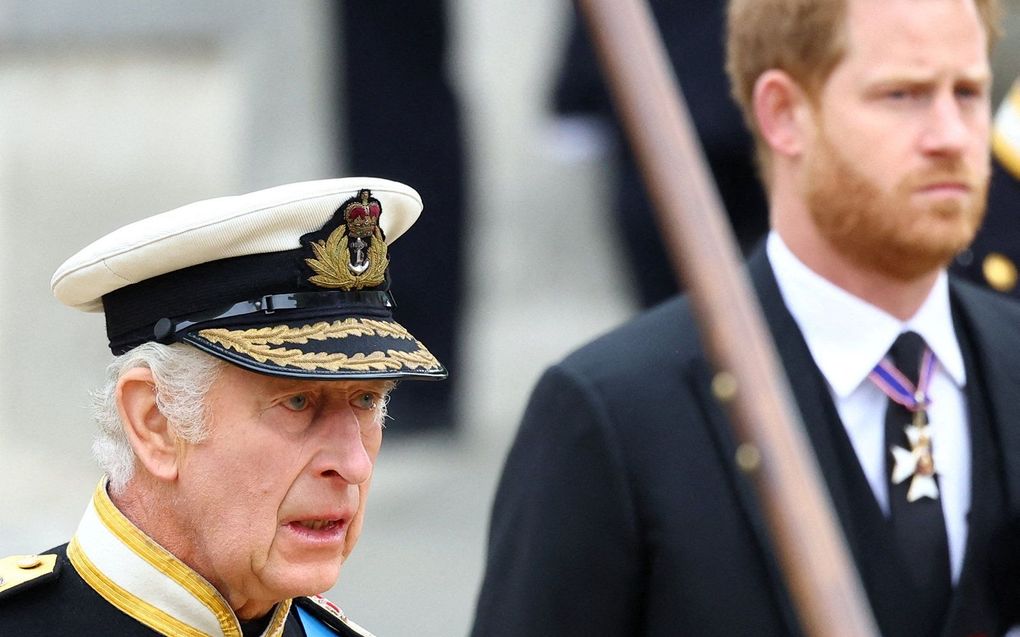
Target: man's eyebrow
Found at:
981, 74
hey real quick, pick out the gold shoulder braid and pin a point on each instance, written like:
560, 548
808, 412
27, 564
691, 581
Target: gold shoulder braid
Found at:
19, 569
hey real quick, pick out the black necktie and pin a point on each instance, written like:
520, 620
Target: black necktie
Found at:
918, 527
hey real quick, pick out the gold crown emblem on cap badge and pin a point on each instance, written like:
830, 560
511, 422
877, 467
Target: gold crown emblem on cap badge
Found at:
354, 255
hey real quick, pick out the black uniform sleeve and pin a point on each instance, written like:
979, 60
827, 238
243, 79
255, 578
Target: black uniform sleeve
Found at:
565, 554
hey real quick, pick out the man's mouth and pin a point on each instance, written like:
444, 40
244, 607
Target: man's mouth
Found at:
946, 186
318, 525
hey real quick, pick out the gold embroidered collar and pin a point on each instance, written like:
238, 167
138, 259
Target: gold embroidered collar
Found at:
141, 578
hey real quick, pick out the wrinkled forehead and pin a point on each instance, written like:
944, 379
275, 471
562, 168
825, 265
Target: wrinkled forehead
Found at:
917, 42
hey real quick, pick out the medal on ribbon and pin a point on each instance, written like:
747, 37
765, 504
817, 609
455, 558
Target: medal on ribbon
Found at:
917, 462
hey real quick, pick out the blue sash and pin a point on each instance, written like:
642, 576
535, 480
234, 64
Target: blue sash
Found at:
313, 627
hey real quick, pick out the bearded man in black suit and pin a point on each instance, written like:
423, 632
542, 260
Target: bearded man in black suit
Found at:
621, 510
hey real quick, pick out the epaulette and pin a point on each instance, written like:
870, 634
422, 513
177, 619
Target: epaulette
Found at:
1006, 132
331, 615
21, 572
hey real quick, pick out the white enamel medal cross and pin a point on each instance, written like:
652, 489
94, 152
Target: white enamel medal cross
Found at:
917, 462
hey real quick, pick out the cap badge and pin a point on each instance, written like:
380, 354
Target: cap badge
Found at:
354, 255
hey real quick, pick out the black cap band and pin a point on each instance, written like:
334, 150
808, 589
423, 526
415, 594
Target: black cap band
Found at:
167, 329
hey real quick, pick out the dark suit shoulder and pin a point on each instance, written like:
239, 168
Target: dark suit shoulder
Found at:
654, 342
993, 323
63, 604
985, 302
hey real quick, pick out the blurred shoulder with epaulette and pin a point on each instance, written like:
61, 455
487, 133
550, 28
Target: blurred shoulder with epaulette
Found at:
992, 258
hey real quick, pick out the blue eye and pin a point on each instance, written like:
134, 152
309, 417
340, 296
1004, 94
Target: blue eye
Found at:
297, 402
366, 400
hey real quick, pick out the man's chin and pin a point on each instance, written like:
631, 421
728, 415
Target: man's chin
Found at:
913, 252
303, 579
913, 262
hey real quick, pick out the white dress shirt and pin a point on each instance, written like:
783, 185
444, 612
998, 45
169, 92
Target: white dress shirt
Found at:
847, 337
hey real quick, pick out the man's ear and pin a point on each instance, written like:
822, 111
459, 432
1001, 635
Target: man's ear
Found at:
146, 427
783, 112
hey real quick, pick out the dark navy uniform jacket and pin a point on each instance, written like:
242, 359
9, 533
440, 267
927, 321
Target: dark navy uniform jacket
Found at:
111, 579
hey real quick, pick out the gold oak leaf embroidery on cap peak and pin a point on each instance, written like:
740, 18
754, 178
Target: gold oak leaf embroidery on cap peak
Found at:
269, 344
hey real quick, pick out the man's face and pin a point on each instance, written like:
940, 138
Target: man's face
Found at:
897, 172
276, 493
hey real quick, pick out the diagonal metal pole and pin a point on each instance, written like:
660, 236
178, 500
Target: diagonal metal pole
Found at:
811, 548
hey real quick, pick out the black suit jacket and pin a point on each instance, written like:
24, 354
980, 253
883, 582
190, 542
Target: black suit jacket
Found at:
621, 511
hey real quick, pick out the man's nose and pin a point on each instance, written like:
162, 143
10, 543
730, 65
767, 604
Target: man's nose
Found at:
948, 126
344, 454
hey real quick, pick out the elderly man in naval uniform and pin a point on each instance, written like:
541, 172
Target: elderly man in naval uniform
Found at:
255, 349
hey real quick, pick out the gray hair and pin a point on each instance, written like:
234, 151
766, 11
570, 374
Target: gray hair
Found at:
183, 376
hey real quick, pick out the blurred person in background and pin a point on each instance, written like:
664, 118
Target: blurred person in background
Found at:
396, 93
255, 351
693, 36
692, 33
621, 509
991, 260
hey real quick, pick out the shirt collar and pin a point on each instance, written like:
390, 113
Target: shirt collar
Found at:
145, 581
848, 336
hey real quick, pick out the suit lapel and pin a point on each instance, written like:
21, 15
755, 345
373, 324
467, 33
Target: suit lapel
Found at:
810, 392
811, 396
860, 518
699, 376
809, 389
